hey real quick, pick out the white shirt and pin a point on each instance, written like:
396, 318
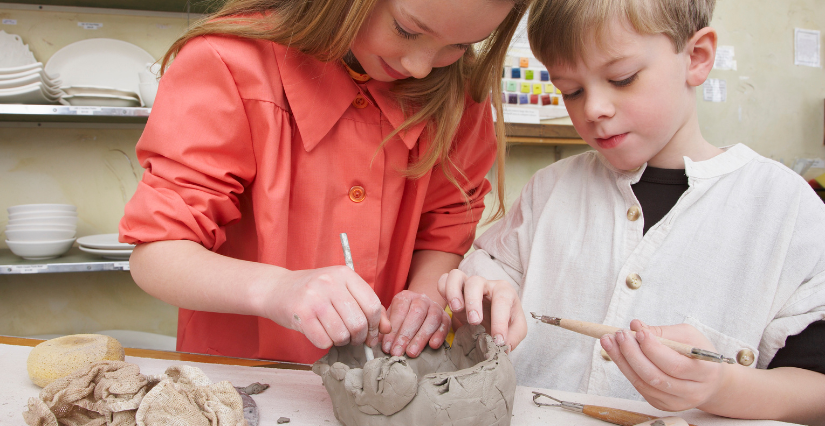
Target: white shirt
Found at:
741, 257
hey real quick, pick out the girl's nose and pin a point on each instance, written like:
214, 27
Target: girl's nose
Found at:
598, 107
418, 63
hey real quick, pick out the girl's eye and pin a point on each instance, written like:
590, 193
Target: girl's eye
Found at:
625, 82
571, 96
402, 32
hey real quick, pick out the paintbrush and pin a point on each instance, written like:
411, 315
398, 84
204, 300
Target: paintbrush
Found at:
598, 330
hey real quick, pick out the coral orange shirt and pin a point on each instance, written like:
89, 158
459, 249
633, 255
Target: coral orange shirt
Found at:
261, 153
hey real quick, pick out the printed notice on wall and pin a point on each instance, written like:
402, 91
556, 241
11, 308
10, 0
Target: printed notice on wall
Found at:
715, 90
90, 25
724, 58
806, 47
520, 115
10, 22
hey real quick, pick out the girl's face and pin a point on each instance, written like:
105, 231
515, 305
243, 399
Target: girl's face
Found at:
408, 38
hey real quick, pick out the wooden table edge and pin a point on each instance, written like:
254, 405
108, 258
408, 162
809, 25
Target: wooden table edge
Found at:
178, 356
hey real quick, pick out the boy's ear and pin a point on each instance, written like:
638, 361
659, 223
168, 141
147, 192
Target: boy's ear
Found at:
701, 49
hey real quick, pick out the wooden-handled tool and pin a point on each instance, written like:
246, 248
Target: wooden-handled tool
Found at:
610, 415
598, 330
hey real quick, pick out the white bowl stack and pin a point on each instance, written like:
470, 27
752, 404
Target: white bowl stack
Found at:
41, 231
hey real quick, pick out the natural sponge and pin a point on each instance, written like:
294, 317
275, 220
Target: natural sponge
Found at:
61, 356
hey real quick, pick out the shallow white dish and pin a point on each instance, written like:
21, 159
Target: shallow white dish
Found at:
14, 73
26, 80
52, 220
39, 250
13, 52
108, 254
102, 100
98, 90
39, 234
100, 62
45, 227
20, 208
22, 68
30, 94
45, 213
104, 242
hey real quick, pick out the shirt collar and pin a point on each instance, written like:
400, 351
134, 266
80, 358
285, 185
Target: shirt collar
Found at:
319, 93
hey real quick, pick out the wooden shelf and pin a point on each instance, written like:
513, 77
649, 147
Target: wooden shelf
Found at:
179, 6
542, 134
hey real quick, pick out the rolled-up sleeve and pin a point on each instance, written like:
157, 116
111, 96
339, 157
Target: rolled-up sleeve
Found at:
197, 152
448, 222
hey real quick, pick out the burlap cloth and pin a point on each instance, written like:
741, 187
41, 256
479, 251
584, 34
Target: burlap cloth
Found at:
115, 393
470, 383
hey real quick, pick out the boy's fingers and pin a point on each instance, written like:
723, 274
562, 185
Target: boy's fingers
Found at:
518, 326
384, 326
416, 316
353, 318
438, 337
501, 313
334, 326
369, 304
316, 334
454, 290
611, 345
669, 361
398, 311
475, 289
430, 326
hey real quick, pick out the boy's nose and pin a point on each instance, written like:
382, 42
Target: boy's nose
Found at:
598, 108
419, 63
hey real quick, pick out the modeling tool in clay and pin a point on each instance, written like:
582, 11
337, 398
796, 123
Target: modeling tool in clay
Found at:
610, 415
598, 330
348, 260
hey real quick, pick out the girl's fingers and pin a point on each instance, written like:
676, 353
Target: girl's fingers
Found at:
316, 333
334, 327
453, 291
398, 311
438, 337
371, 310
430, 326
352, 317
412, 322
518, 325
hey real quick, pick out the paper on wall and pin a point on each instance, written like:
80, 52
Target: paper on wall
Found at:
806, 47
724, 58
715, 90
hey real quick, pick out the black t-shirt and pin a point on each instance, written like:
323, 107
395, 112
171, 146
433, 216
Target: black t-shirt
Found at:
658, 190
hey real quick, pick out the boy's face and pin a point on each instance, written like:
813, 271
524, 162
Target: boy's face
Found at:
629, 98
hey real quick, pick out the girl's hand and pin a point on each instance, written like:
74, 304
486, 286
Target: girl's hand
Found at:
666, 379
495, 304
332, 305
416, 320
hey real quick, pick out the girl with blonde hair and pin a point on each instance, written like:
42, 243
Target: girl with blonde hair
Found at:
280, 125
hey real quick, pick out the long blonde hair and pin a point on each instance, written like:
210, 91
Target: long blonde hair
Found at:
325, 30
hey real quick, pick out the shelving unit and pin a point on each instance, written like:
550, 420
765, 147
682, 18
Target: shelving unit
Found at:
177, 6
73, 261
72, 114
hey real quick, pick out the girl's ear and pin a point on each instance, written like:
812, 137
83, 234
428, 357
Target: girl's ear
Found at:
701, 49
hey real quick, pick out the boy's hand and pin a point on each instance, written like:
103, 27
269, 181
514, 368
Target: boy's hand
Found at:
666, 379
416, 321
495, 304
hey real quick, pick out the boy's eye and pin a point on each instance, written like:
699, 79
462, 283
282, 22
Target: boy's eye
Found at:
625, 82
571, 96
402, 32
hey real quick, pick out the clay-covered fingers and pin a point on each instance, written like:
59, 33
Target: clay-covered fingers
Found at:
508, 326
422, 315
399, 307
372, 313
432, 331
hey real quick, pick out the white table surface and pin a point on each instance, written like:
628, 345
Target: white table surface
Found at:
300, 395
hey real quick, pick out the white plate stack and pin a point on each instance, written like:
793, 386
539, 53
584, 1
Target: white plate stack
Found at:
106, 246
100, 72
23, 80
41, 231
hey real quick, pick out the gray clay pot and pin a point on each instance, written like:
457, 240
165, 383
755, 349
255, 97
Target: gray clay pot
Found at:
470, 383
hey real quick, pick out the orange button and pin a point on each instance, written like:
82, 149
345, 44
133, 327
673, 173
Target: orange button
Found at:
360, 102
357, 194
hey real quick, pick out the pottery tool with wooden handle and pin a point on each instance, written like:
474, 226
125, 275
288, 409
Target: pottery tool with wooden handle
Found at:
598, 330
610, 415
348, 260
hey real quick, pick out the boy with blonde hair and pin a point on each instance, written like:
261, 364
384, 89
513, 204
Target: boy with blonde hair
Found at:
654, 225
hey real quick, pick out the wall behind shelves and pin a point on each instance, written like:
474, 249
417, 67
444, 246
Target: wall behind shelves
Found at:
93, 168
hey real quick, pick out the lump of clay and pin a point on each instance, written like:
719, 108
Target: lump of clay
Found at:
472, 382
61, 356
